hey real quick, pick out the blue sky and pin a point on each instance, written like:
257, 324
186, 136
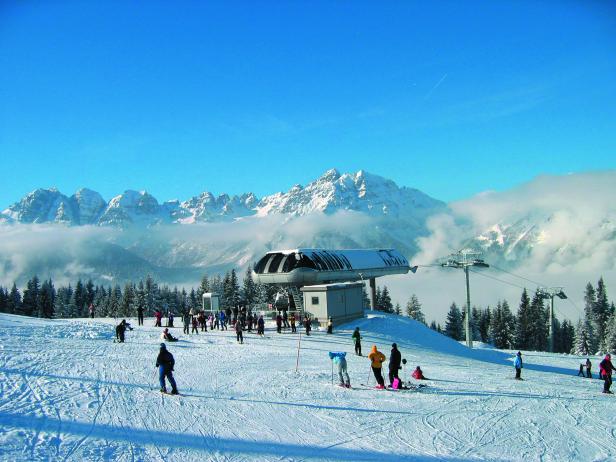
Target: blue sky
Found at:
452, 98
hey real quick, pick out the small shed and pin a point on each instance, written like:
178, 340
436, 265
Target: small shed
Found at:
343, 301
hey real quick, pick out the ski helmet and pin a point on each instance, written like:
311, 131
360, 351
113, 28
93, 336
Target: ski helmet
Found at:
163, 346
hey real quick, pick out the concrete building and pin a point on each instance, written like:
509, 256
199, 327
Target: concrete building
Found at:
343, 302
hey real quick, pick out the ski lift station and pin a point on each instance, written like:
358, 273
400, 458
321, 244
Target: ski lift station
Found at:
328, 283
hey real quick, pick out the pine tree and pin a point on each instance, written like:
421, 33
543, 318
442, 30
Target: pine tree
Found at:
377, 299
80, 299
4, 298
567, 337
582, 344
115, 299
590, 300
47, 299
610, 334
386, 304
365, 298
152, 296
601, 314
413, 310
126, 305
249, 288
30, 300
453, 326
90, 293
433, 325
538, 340
14, 301
484, 325
524, 325
397, 309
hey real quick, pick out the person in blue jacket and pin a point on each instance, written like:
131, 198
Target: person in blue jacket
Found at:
517, 363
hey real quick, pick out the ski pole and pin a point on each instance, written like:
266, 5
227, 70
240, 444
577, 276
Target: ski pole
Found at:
332, 371
368, 381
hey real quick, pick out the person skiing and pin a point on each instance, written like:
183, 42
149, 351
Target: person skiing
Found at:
238, 332
395, 359
285, 319
91, 309
605, 370
165, 364
261, 326
517, 363
357, 339
588, 367
292, 321
140, 316
223, 320
159, 316
170, 319
186, 321
581, 371
376, 358
340, 360
195, 325
166, 335
121, 329
250, 321
418, 374
307, 325
330, 325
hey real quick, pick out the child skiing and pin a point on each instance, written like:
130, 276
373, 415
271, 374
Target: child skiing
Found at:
186, 321
340, 360
292, 320
261, 326
588, 366
195, 325
159, 316
377, 358
330, 325
165, 363
517, 363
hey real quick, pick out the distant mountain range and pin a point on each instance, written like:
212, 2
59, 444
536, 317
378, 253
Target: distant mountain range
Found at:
552, 220
361, 192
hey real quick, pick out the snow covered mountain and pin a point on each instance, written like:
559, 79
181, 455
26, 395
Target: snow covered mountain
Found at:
361, 192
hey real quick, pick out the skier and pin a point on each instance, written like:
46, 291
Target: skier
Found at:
250, 321
91, 311
357, 339
202, 321
120, 329
517, 363
223, 320
377, 358
285, 319
581, 371
186, 322
394, 364
195, 325
217, 320
605, 370
261, 326
340, 360
588, 366
278, 323
238, 332
307, 325
170, 319
330, 325
210, 319
159, 316
292, 320
166, 335
418, 374
165, 363
140, 316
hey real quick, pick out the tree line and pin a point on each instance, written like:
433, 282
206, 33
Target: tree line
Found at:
43, 299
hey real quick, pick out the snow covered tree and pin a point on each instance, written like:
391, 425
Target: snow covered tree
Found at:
80, 299
397, 309
564, 335
433, 325
413, 309
90, 293
4, 297
365, 298
152, 295
483, 325
601, 313
582, 344
590, 300
454, 327
231, 289
538, 340
610, 335
115, 299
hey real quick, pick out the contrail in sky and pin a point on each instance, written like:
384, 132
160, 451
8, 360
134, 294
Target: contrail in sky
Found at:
438, 84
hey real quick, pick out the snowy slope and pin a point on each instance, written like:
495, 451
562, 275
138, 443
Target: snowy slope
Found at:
68, 393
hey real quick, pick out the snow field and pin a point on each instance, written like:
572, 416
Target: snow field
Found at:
67, 392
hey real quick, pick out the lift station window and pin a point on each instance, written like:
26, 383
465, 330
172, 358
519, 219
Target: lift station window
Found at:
315, 300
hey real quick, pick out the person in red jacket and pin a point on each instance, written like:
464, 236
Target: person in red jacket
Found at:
159, 316
605, 369
418, 374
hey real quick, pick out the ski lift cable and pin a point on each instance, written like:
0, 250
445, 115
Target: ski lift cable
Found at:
496, 279
518, 276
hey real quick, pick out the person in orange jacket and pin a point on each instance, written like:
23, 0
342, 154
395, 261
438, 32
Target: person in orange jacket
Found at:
376, 358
